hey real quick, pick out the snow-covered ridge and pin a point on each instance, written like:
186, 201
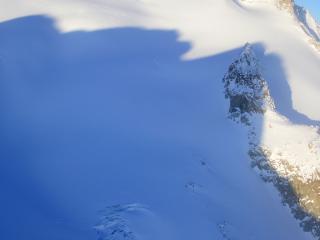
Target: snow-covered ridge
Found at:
282, 4
301, 15
309, 25
285, 154
288, 155
248, 92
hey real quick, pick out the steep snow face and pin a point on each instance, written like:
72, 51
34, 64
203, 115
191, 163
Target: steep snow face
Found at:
302, 15
308, 23
296, 145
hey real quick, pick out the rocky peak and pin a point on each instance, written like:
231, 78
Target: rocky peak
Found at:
245, 87
286, 5
281, 4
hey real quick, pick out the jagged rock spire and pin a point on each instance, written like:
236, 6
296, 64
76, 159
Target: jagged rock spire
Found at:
245, 87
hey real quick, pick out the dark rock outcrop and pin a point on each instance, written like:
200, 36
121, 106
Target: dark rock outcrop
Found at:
245, 87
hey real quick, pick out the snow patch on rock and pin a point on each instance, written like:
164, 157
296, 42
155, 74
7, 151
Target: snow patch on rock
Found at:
245, 87
285, 154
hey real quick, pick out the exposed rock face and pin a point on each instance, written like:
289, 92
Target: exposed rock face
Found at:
282, 4
286, 5
279, 164
246, 88
301, 197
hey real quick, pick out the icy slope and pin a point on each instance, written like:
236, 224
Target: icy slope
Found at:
123, 131
309, 24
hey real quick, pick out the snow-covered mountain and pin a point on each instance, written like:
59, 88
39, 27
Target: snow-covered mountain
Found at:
146, 119
285, 154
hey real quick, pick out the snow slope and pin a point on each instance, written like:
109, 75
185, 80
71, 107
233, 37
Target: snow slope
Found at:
203, 24
119, 105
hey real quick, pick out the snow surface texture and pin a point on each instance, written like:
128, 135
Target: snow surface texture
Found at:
286, 154
114, 102
115, 223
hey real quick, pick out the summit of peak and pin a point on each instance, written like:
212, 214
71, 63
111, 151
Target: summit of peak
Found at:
281, 4
286, 4
246, 88
247, 61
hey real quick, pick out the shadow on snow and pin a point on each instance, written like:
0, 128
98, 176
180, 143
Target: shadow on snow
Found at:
71, 100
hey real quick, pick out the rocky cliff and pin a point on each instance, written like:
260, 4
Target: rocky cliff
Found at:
284, 154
